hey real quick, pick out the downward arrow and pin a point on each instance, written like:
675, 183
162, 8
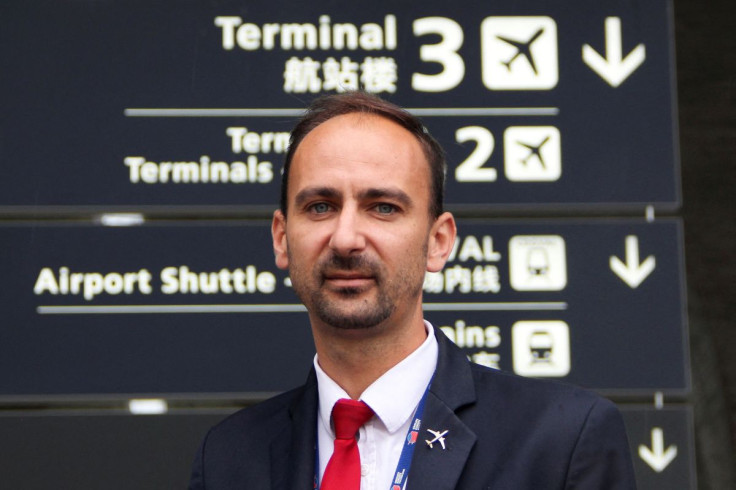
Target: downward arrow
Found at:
657, 457
632, 272
614, 69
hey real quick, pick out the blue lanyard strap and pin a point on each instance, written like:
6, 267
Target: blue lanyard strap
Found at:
402, 468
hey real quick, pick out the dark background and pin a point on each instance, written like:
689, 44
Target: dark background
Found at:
706, 73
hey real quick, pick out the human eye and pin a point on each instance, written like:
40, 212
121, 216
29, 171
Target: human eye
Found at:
319, 208
385, 208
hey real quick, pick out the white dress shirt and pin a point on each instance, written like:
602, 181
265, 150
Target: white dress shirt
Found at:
394, 398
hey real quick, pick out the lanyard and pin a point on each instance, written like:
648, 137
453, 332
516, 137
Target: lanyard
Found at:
402, 468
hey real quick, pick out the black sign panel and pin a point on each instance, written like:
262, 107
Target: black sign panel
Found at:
97, 450
202, 308
597, 303
101, 448
128, 321
146, 105
662, 446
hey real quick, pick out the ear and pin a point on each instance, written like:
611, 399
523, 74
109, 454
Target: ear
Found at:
278, 234
441, 240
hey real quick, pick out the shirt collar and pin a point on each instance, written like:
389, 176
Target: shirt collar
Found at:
395, 395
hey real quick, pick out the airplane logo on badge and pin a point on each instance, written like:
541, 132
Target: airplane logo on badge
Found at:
438, 437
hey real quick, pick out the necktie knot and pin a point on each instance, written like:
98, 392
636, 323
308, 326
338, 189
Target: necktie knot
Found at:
348, 416
343, 469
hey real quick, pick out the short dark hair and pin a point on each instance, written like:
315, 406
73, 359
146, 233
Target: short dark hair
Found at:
326, 107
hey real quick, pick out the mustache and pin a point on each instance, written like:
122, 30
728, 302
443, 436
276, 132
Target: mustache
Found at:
343, 263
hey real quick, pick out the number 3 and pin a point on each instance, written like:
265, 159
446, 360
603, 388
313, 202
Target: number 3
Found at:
444, 53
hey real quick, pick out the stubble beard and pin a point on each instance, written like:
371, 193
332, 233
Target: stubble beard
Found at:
349, 311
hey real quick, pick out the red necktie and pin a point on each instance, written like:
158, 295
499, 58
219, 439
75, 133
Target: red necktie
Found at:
343, 469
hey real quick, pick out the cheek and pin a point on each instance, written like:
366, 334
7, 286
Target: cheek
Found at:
303, 247
409, 248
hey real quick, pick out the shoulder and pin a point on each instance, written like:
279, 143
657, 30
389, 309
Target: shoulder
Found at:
503, 392
573, 437
569, 433
576, 421
491, 389
532, 392
545, 406
255, 423
238, 448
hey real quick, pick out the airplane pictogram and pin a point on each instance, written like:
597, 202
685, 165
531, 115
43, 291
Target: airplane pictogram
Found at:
534, 151
522, 49
519, 53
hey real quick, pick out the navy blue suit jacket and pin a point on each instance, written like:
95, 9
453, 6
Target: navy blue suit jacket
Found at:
504, 433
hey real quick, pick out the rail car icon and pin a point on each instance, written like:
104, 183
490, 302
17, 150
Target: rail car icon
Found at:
541, 348
537, 263
541, 344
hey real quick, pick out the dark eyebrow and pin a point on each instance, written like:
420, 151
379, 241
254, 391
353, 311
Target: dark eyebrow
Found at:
315, 192
387, 193
369, 194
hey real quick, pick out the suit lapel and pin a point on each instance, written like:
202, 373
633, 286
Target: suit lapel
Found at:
292, 453
435, 467
452, 388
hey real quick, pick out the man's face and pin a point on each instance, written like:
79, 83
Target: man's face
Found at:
358, 231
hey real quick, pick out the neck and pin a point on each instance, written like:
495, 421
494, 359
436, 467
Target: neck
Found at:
354, 359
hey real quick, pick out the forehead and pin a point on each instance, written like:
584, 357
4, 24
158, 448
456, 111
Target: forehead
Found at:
360, 148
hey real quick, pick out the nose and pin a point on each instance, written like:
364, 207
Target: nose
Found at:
347, 237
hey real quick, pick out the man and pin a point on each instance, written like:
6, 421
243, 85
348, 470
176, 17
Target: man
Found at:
360, 223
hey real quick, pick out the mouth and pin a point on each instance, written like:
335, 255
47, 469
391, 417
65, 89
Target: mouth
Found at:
348, 279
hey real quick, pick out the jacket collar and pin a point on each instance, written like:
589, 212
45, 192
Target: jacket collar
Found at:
293, 452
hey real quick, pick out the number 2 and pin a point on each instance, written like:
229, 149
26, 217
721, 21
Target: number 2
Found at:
471, 169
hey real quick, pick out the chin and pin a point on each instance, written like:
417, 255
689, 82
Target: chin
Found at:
357, 320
